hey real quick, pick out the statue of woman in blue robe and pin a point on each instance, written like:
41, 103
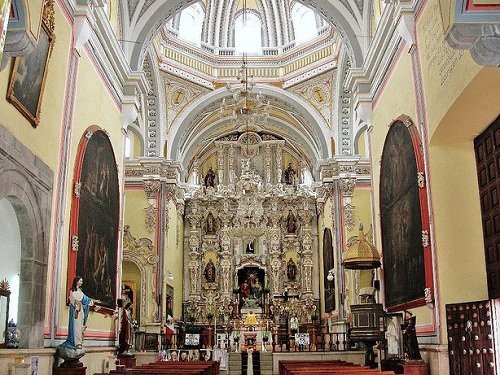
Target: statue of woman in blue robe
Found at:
79, 305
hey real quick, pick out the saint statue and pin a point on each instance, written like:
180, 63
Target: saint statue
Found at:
79, 306
410, 343
289, 175
291, 270
210, 178
210, 223
291, 225
125, 335
210, 272
250, 248
294, 324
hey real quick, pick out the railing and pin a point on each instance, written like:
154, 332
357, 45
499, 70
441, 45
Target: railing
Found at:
318, 342
280, 342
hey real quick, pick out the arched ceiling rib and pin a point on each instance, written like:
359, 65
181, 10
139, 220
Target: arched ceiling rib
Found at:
313, 132
153, 14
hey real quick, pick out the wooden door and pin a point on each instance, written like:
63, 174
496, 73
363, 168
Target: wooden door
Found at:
470, 338
487, 149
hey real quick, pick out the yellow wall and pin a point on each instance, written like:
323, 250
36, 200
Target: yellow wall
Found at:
445, 71
174, 258
360, 144
135, 215
361, 200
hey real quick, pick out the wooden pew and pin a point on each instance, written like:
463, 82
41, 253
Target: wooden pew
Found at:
325, 367
174, 368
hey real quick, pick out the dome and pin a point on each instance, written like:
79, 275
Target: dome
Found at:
361, 255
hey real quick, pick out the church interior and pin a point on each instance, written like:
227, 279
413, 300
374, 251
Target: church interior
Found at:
249, 182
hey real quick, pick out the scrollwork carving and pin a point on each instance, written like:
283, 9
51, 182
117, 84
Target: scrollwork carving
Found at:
150, 223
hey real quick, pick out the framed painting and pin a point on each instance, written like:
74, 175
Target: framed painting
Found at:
95, 218
28, 76
404, 219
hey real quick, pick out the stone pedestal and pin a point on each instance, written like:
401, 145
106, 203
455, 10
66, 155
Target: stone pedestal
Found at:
416, 368
69, 371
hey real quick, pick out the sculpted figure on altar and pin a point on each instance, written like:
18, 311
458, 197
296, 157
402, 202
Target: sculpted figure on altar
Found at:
290, 175
291, 271
210, 272
210, 178
291, 224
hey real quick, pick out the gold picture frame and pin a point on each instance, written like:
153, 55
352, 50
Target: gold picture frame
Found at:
29, 72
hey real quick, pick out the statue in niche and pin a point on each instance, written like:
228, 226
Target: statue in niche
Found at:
250, 247
290, 175
291, 270
210, 223
210, 178
210, 272
291, 223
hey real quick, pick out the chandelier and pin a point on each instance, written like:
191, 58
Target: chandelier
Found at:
246, 107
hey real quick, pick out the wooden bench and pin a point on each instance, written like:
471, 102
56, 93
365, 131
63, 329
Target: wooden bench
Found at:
325, 367
173, 368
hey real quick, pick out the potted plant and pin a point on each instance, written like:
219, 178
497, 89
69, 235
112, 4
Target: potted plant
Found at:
266, 290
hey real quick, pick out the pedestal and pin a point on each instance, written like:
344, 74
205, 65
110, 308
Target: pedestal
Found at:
416, 368
69, 371
128, 362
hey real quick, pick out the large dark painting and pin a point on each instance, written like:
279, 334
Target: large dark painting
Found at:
328, 264
403, 256
98, 220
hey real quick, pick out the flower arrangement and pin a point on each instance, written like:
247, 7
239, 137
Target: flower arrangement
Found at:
265, 336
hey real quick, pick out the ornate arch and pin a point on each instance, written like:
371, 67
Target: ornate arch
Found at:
27, 183
142, 253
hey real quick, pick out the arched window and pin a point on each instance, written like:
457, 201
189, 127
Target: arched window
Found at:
10, 267
304, 23
247, 34
191, 24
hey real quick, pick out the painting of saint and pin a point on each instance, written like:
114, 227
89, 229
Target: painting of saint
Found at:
28, 78
404, 271
98, 215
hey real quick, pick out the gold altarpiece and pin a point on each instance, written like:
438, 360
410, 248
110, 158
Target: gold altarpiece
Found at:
251, 237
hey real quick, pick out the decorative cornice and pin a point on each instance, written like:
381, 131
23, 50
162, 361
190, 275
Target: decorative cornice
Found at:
164, 170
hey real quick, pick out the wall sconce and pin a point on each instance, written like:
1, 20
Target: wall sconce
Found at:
169, 275
331, 275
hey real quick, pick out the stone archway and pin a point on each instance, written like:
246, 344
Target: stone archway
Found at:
27, 183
